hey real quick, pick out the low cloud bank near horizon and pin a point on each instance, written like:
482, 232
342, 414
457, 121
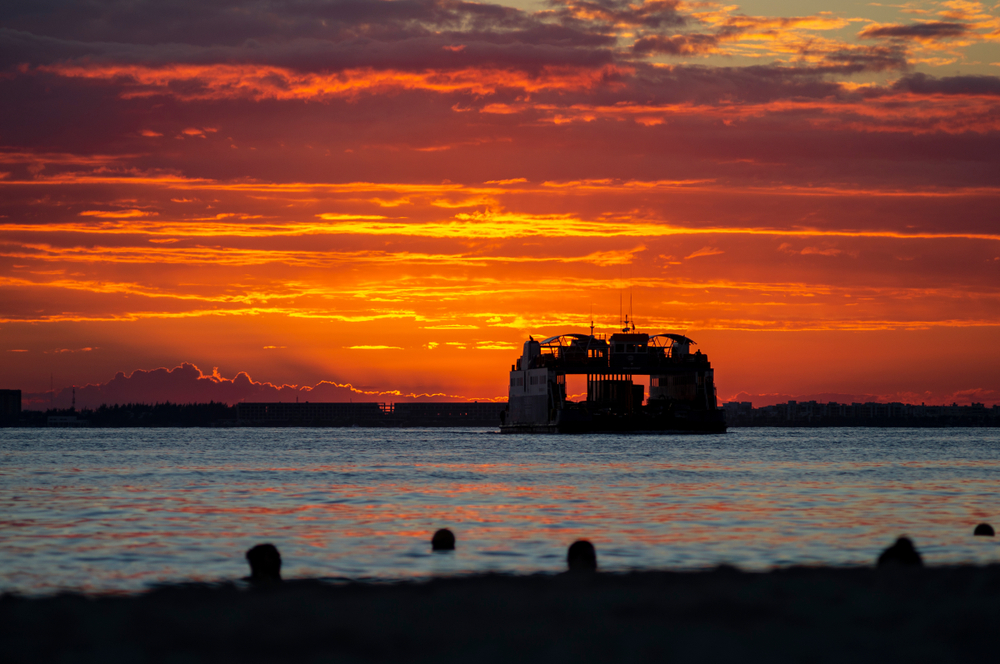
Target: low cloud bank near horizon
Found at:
187, 383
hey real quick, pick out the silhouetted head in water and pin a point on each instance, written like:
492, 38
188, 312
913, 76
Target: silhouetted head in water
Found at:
443, 540
984, 530
901, 554
581, 557
265, 563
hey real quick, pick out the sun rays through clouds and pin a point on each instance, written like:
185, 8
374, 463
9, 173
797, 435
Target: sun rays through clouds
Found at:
393, 194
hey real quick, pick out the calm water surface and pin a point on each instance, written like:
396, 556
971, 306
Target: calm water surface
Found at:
118, 510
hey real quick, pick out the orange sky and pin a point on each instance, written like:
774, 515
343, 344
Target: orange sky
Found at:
393, 195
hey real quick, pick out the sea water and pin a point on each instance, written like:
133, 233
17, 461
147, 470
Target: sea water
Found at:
112, 510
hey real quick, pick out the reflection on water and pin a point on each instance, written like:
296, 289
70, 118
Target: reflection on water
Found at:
120, 509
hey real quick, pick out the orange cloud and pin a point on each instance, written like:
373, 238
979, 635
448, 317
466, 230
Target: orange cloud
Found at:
704, 251
374, 347
258, 82
116, 214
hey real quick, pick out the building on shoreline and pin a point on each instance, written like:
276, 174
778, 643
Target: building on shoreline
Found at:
271, 414
10, 406
869, 414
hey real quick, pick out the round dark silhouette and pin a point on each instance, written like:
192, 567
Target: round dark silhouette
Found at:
265, 563
581, 557
443, 540
900, 554
984, 530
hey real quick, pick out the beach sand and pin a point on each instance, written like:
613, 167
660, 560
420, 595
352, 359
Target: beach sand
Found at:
943, 614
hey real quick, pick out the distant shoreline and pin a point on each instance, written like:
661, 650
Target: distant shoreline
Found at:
429, 414
84, 424
819, 614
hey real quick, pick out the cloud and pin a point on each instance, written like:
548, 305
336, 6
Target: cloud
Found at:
923, 84
375, 347
736, 34
451, 326
331, 216
308, 36
705, 251
495, 345
858, 59
320, 50
930, 31
187, 383
687, 44
650, 14
271, 81
826, 251
975, 395
116, 214
231, 23
829, 251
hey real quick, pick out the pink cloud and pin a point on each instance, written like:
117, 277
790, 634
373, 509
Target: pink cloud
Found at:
187, 383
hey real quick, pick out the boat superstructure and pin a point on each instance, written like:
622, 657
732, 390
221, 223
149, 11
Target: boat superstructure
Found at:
681, 385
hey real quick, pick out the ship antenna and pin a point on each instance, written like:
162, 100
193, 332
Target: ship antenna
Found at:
631, 289
630, 311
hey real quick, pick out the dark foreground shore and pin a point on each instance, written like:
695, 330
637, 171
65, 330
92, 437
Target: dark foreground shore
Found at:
945, 614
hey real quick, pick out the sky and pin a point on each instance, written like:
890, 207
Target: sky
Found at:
382, 199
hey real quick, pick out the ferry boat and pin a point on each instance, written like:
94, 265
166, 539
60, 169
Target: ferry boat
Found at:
681, 399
